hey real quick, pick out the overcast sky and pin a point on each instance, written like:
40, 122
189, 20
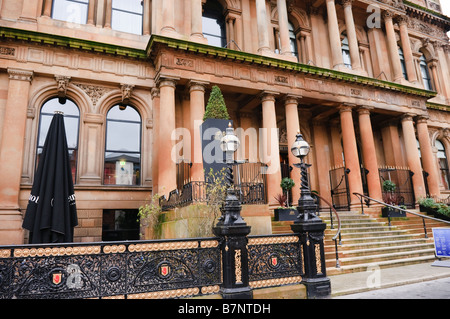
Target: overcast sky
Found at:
445, 5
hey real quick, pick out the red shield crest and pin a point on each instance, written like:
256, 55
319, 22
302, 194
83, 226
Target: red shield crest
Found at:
57, 278
274, 261
164, 270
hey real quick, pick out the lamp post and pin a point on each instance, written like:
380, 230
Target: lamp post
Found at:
310, 229
306, 204
233, 230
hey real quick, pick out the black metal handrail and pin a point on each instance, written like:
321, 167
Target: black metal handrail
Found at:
338, 233
360, 196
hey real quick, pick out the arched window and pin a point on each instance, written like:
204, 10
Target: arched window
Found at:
293, 39
443, 164
402, 63
213, 23
127, 16
70, 10
122, 147
346, 52
425, 73
71, 123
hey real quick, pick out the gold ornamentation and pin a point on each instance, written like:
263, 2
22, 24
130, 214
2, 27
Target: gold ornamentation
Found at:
6, 253
163, 246
275, 282
166, 294
237, 266
273, 240
114, 249
318, 261
57, 251
209, 244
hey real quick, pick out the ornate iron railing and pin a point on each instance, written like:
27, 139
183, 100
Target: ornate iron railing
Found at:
140, 269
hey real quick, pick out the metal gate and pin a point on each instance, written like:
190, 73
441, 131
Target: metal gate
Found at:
402, 178
340, 193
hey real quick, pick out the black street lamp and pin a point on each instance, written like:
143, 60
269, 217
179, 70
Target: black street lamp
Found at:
306, 204
233, 230
310, 229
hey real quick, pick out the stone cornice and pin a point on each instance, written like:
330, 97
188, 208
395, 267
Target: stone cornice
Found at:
156, 42
423, 12
68, 42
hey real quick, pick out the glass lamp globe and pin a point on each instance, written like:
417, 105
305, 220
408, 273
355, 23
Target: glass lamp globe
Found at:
300, 148
230, 142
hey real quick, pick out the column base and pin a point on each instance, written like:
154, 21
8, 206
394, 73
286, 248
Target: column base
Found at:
317, 288
198, 38
170, 32
237, 293
11, 231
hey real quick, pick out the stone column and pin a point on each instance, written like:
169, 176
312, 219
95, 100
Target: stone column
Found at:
292, 127
147, 17
167, 176
397, 74
196, 22
108, 14
168, 21
155, 150
369, 153
322, 151
284, 28
197, 109
263, 30
47, 12
428, 161
230, 22
406, 47
351, 35
11, 155
433, 65
29, 11
91, 12
271, 147
412, 156
335, 37
351, 153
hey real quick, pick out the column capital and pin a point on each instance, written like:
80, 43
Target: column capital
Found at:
197, 85
163, 81
292, 99
402, 20
388, 15
346, 107
20, 74
422, 119
268, 96
155, 93
346, 3
364, 109
407, 117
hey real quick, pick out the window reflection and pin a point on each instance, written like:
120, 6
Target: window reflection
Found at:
71, 124
213, 23
425, 73
123, 147
70, 10
402, 63
127, 16
346, 53
443, 164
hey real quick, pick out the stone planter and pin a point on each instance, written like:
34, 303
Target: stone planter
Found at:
282, 214
391, 212
211, 131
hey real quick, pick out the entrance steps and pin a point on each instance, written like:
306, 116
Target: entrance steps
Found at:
368, 241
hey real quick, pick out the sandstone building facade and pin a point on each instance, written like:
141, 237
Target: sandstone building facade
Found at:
367, 82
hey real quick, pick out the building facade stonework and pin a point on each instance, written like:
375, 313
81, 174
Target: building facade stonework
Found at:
366, 82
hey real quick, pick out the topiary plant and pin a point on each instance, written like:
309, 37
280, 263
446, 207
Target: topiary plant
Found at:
286, 184
216, 107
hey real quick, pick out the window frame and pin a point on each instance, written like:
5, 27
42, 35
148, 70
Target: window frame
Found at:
74, 1
107, 123
345, 48
423, 65
76, 149
402, 62
445, 171
141, 15
214, 11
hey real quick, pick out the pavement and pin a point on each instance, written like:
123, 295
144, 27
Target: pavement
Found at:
376, 278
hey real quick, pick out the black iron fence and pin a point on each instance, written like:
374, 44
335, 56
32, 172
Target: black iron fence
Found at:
404, 191
340, 193
147, 269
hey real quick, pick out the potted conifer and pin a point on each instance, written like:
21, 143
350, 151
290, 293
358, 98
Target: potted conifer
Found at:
285, 212
215, 121
392, 198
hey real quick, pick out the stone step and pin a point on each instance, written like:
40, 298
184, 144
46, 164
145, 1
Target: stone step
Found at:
332, 270
382, 257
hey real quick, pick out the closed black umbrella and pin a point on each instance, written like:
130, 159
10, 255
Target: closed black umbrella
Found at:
51, 213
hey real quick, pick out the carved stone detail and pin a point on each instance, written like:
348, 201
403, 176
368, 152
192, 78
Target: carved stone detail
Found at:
93, 91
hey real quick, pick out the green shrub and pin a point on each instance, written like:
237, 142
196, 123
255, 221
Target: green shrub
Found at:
389, 186
427, 202
216, 107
